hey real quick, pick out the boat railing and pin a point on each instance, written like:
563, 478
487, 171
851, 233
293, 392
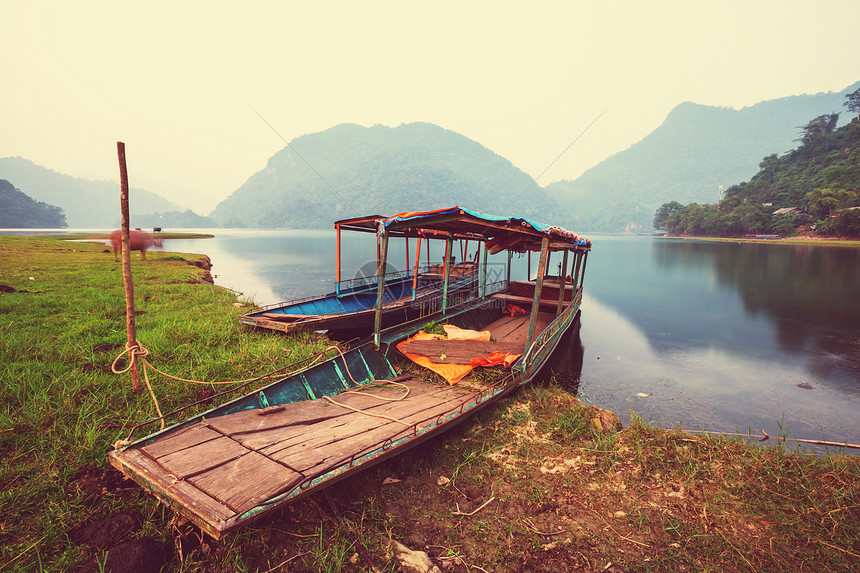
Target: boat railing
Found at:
545, 341
462, 289
346, 286
462, 292
292, 301
496, 286
351, 284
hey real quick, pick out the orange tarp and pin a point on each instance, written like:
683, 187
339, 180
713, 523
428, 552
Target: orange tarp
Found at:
453, 373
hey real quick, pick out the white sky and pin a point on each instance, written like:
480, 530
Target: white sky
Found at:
178, 82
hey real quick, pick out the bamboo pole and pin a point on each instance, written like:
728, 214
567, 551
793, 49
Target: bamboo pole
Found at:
131, 336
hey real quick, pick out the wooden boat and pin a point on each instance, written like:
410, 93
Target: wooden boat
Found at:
351, 307
248, 457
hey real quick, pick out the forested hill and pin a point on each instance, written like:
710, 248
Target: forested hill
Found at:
86, 203
686, 159
19, 210
350, 170
814, 187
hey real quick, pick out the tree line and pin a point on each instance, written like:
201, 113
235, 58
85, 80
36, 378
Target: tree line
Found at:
814, 188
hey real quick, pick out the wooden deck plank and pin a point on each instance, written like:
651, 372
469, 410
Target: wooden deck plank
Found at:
309, 412
505, 326
222, 477
245, 482
338, 449
327, 450
201, 457
459, 351
182, 492
323, 432
183, 438
524, 300
515, 330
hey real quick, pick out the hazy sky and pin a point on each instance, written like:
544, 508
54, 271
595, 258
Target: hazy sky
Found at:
179, 82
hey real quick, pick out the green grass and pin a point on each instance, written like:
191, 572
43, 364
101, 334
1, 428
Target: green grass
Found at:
61, 407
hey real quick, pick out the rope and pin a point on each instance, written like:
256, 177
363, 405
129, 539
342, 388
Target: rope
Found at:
140, 352
366, 413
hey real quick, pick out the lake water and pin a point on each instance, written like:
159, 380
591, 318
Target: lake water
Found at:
717, 335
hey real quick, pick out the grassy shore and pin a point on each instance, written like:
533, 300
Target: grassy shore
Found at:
529, 485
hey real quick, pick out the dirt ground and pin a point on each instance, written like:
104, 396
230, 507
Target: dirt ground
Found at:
534, 485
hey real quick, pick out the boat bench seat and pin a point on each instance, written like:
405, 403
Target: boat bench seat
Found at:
519, 300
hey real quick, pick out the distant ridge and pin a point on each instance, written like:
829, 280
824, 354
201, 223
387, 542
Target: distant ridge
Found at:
360, 170
695, 150
18, 210
86, 203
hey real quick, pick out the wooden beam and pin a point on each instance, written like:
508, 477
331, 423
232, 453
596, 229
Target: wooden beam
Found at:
380, 292
562, 283
584, 260
484, 269
131, 335
576, 271
449, 245
544, 251
415, 272
337, 264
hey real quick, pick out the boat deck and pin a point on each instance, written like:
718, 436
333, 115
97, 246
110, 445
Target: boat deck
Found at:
225, 466
223, 470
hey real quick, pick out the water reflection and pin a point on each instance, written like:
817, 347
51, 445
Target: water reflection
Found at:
725, 335
564, 366
795, 304
809, 293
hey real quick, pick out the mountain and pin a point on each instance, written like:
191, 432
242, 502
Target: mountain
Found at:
86, 203
350, 170
695, 150
19, 210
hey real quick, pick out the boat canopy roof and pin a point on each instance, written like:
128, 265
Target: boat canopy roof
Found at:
499, 232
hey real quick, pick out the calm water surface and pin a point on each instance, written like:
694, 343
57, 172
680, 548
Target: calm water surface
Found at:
725, 336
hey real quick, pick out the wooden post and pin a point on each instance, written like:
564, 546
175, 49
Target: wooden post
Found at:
380, 293
584, 260
544, 250
562, 283
576, 271
449, 245
131, 338
417, 263
407, 257
337, 263
484, 268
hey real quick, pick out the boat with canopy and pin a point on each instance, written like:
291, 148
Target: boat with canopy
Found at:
350, 309
389, 392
